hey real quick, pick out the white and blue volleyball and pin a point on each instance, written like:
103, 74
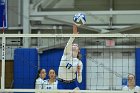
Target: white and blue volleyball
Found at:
79, 19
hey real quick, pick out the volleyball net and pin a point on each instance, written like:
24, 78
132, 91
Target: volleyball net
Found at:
59, 91
107, 60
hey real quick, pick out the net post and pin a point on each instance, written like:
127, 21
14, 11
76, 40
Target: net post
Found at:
3, 58
3, 64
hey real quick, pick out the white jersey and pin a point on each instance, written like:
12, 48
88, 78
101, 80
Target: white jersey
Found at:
49, 86
135, 89
39, 83
68, 67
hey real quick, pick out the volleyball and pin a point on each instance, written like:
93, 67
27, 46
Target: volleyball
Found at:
79, 19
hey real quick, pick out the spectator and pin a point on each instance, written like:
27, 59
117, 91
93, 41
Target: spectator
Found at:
131, 86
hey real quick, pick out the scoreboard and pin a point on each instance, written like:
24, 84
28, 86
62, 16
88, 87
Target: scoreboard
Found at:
3, 14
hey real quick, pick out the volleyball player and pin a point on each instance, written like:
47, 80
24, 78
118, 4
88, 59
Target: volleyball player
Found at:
70, 65
40, 79
131, 84
51, 83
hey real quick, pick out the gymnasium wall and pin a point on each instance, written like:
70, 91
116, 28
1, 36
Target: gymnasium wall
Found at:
8, 73
106, 70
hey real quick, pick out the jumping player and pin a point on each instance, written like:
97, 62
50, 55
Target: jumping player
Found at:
70, 65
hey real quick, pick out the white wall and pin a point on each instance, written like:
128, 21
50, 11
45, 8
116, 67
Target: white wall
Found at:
106, 70
123, 64
65, 4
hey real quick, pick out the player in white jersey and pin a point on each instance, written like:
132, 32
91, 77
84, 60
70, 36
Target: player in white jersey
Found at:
70, 65
51, 83
131, 87
40, 79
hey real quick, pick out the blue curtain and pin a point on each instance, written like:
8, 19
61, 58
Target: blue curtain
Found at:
51, 59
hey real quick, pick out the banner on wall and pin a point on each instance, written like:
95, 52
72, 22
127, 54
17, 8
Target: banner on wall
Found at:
3, 14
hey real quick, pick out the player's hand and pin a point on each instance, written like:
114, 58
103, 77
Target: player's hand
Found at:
75, 29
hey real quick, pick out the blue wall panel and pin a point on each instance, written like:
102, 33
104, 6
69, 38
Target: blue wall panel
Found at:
25, 68
137, 67
51, 59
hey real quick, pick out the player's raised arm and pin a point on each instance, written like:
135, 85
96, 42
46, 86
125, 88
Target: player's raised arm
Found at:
68, 47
